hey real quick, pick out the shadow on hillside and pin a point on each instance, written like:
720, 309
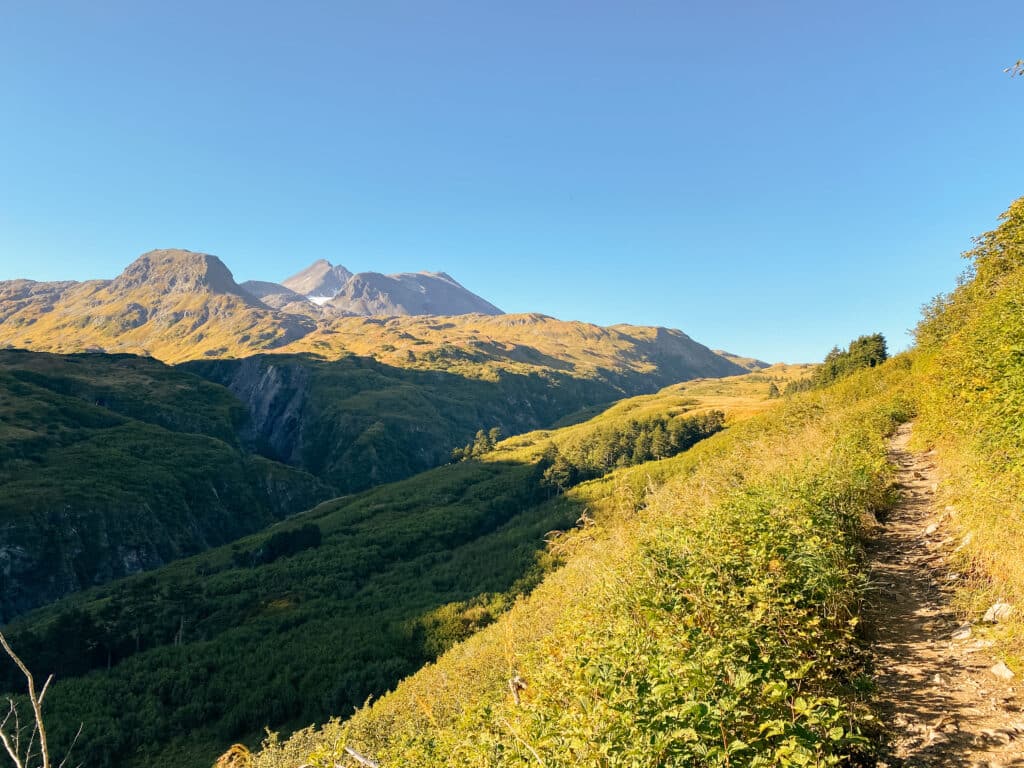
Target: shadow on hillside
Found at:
393, 577
356, 422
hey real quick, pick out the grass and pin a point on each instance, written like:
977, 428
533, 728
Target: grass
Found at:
971, 396
397, 575
707, 616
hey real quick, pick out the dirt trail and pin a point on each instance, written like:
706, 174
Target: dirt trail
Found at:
942, 701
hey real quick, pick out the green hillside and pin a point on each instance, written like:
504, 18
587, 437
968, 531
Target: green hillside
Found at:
717, 625
109, 465
356, 422
199, 651
112, 464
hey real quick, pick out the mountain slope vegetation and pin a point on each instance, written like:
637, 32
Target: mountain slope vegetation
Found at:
103, 492
111, 465
718, 597
716, 625
185, 653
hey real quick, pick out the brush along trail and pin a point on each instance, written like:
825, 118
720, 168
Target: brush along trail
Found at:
946, 699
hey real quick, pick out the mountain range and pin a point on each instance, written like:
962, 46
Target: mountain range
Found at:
283, 398
177, 305
173, 412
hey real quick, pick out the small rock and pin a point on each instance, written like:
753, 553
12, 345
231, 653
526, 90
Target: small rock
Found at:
965, 541
935, 487
962, 632
931, 529
999, 611
1001, 671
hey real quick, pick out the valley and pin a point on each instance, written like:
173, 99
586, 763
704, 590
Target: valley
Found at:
505, 538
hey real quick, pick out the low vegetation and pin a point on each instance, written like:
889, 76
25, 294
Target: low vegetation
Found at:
206, 646
706, 616
970, 367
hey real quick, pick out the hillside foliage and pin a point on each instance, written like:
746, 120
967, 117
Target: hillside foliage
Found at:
971, 386
408, 569
711, 621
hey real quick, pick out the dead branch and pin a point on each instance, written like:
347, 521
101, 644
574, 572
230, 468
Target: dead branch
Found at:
13, 745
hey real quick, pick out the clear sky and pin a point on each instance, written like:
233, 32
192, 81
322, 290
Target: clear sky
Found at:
772, 178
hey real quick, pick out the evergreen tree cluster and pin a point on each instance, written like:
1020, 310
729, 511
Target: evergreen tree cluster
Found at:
623, 445
862, 352
484, 442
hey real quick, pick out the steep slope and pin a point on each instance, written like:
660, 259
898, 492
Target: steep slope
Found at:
320, 281
311, 616
703, 615
356, 422
167, 304
112, 465
408, 293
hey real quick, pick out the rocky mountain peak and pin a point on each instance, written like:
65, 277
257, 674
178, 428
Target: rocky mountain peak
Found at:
321, 279
177, 271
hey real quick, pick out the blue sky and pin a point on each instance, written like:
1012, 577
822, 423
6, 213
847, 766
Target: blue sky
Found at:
772, 178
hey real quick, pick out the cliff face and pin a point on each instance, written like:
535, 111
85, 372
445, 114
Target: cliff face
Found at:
275, 391
113, 465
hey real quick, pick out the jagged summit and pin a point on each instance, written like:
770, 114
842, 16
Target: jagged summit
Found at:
409, 293
319, 282
338, 290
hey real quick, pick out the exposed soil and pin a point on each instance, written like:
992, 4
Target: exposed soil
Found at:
944, 704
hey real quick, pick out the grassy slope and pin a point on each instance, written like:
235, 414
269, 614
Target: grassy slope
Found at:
657, 644
631, 357
111, 464
970, 382
718, 608
402, 572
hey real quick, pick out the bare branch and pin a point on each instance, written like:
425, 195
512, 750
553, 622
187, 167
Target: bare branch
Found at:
362, 760
46, 685
74, 741
12, 749
36, 702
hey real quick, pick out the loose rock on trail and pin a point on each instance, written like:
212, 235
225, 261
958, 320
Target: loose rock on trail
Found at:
947, 700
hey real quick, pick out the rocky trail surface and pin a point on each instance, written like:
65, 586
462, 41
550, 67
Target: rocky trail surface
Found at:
947, 700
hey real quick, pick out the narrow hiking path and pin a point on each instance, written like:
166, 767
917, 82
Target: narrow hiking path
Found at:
943, 700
